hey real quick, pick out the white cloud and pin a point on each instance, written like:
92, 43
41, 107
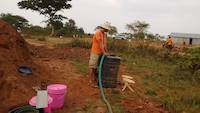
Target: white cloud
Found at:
112, 3
164, 16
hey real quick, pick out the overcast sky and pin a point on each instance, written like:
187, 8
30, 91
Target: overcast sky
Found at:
164, 16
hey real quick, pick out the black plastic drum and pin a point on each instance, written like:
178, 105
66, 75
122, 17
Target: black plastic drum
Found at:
110, 71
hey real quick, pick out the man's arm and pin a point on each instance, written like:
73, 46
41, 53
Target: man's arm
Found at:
102, 46
105, 44
102, 42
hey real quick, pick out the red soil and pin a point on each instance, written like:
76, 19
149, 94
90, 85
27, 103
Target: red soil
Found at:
51, 66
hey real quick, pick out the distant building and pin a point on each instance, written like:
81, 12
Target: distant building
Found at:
188, 38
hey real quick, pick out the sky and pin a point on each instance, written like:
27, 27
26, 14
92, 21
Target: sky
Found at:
164, 16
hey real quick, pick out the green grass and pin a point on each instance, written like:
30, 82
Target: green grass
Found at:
61, 45
151, 92
118, 108
157, 79
41, 39
156, 73
49, 40
75, 43
82, 67
157, 76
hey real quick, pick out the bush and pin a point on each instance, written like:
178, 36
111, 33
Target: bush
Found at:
36, 30
181, 104
118, 45
80, 43
41, 39
146, 50
189, 67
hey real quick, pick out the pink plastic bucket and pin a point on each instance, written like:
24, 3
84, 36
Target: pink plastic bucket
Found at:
32, 102
57, 92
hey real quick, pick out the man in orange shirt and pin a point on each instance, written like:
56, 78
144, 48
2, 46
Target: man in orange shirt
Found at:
99, 48
169, 42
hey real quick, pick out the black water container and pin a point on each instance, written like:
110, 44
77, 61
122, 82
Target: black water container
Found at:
110, 71
25, 109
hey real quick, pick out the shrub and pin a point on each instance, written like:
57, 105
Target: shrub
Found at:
41, 39
118, 45
145, 50
189, 67
80, 43
36, 30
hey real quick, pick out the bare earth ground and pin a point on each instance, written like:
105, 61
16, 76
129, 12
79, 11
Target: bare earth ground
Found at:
82, 98
54, 65
78, 92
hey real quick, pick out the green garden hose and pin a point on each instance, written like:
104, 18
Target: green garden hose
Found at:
100, 84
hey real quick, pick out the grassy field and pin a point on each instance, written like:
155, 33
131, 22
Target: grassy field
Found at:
82, 67
51, 41
166, 77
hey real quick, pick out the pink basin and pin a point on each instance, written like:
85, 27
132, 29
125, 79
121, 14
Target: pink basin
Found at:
32, 102
57, 92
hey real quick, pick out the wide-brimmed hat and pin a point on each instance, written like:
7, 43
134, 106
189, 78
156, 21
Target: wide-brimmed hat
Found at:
105, 26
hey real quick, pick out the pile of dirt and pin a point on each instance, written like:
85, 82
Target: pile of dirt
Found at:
15, 88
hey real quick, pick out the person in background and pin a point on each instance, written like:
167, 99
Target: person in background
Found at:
99, 48
169, 42
184, 45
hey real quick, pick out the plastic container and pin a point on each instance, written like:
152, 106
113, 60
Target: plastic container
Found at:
25, 70
27, 110
32, 102
24, 109
110, 71
57, 92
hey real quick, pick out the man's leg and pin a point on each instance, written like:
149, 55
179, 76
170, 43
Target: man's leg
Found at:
92, 75
96, 76
93, 65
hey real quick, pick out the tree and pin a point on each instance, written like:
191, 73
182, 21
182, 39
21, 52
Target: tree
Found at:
48, 8
70, 28
57, 25
112, 30
35, 30
71, 23
150, 36
81, 31
138, 28
14, 20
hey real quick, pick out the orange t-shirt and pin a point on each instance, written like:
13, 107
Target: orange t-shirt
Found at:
169, 41
97, 40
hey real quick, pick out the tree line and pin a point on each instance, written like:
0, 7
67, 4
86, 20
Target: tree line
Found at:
68, 28
138, 29
55, 23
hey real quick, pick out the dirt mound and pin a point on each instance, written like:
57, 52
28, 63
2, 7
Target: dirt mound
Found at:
12, 45
14, 88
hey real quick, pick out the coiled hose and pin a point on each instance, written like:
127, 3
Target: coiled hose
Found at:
100, 85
